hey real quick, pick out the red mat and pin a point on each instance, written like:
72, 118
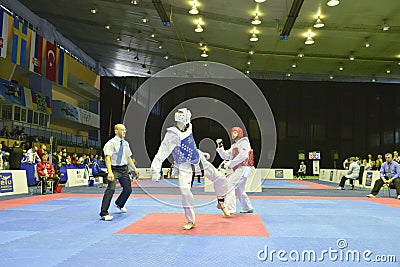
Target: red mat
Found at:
206, 225
313, 185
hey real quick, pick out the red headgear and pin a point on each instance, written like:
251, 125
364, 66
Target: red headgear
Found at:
238, 130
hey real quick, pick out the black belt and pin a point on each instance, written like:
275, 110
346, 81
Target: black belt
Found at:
119, 167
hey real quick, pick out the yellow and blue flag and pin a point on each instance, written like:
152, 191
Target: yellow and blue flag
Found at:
20, 40
62, 67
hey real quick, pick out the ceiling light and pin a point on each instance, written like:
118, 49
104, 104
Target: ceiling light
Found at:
145, 20
309, 40
118, 38
319, 23
198, 28
398, 63
288, 74
333, 2
160, 46
294, 65
144, 65
149, 72
153, 35
259, 1
385, 27
247, 72
251, 52
367, 43
248, 62
388, 70
373, 79
136, 57
256, 20
134, 2
108, 27
351, 57
201, 43
129, 49
253, 37
194, 10
204, 54
93, 11
166, 57
300, 54
331, 77
341, 68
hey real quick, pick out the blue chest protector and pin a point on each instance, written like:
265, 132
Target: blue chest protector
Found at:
186, 152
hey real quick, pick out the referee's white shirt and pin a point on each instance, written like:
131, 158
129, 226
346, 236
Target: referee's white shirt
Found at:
111, 148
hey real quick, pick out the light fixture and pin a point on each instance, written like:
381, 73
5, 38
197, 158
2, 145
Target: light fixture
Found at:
248, 62
137, 56
341, 68
300, 54
145, 20
134, 2
388, 71
194, 10
129, 49
149, 71
319, 23
118, 38
331, 77
253, 37
108, 27
251, 52
144, 65
201, 43
198, 28
309, 40
385, 27
256, 20
288, 74
398, 63
247, 71
166, 57
373, 79
367, 43
204, 54
153, 35
160, 46
333, 2
294, 65
259, 1
352, 57
93, 10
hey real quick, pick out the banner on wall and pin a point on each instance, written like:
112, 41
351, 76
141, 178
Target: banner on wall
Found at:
3, 33
17, 94
6, 182
64, 110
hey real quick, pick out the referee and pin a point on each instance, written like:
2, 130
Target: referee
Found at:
117, 157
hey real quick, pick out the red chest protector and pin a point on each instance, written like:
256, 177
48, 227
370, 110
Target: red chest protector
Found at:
248, 162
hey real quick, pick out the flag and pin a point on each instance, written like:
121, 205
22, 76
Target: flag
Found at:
62, 68
51, 61
36, 56
20, 38
3, 33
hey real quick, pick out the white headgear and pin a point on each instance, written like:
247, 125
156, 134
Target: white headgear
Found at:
183, 115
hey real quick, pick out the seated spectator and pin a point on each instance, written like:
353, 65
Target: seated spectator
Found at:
5, 132
46, 172
97, 171
367, 165
3, 159
302, 171
32, 156
15, 132
352, 174
15, 156
370, 159
41, 150
390, 172
396, 156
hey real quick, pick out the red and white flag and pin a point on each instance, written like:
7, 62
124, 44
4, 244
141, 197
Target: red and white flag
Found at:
51, 62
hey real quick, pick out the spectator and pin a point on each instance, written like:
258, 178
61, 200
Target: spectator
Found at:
3, 155
352, 174
390, 172
367, 165
6, 132
42, 150
370, 159
396, 156
32, 156
15, 132
16, 156
302, 171
46, 172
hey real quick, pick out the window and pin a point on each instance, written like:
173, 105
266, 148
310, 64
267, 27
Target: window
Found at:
7, 112
23, 115
35, 118
41, 119
17, 113
30, 116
